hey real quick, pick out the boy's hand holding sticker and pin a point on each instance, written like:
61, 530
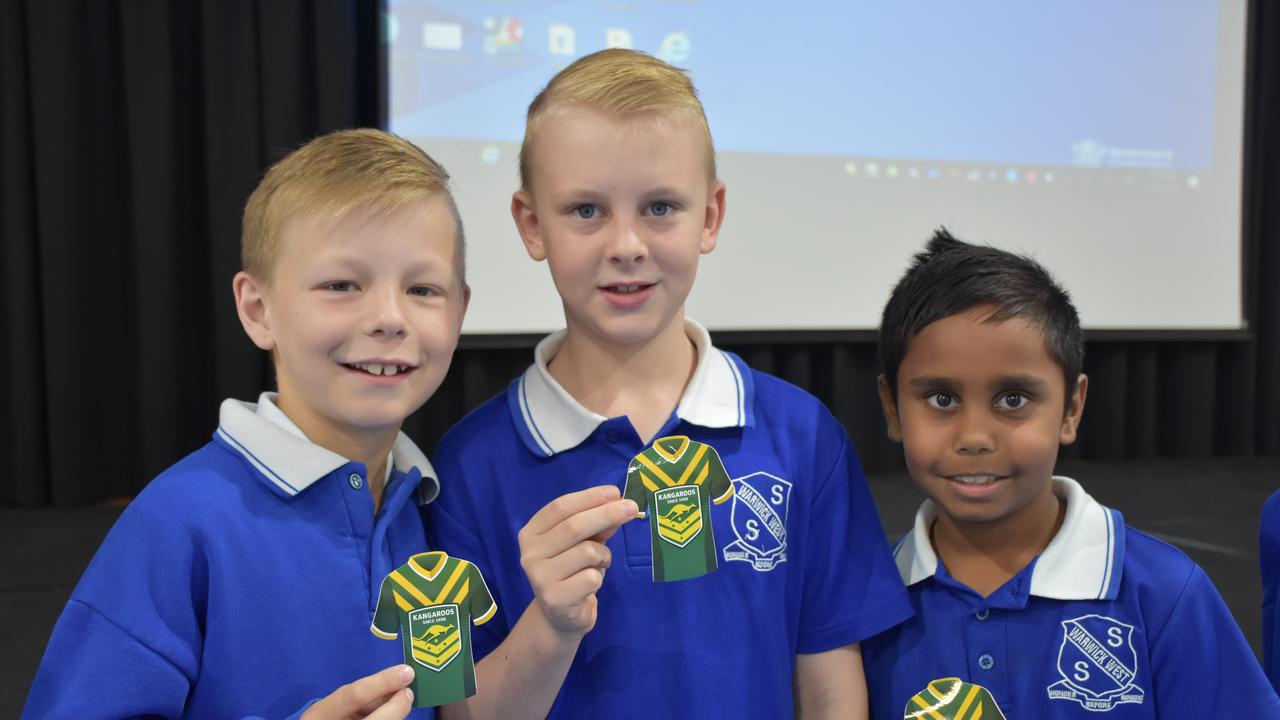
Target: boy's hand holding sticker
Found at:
430, 602
678, 479
563, 553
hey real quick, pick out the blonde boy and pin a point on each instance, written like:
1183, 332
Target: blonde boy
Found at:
241, 581
619, 195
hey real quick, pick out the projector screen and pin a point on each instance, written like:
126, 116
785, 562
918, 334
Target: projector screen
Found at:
1104, 138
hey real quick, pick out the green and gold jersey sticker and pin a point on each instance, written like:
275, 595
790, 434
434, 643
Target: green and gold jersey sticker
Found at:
952, 699
674, 482
430, 603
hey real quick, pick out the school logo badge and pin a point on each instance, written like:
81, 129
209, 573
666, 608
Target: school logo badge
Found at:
759, 518
437, 639
1097, 663
679, 511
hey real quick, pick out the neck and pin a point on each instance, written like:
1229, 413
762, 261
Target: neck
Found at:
643, 381
985, 556
369, 447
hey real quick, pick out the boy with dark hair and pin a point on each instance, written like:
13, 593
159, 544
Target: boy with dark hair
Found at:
1031, 599
620, 196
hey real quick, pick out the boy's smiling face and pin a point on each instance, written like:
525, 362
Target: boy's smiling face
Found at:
363, 317
620, 208
981, 410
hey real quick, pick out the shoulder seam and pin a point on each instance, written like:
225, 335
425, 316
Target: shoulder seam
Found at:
131, 636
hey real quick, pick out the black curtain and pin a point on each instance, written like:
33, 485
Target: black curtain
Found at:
131, 132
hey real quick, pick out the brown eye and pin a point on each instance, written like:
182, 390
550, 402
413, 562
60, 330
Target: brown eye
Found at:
1012, 400
940, 400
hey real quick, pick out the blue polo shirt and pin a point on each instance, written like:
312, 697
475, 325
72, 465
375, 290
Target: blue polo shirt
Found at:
1269, 555
1107, 623
240, 582
803, 563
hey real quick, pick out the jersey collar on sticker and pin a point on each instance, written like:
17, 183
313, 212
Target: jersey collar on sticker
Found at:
1082, 562
289, 462
550, 420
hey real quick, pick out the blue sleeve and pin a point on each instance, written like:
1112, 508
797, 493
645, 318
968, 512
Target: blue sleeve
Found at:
852, 589
449, 529
1269, 558
93, 667
1201, 665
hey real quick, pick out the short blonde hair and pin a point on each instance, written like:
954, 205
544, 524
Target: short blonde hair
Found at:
333, 175
620, 82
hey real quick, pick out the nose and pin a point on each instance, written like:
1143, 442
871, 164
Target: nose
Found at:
384, 315
975, 433
626, 245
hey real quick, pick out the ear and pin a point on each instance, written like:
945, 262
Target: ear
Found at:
251, 306
890, 409
525, 214
1074, 409
466, 302
714, 218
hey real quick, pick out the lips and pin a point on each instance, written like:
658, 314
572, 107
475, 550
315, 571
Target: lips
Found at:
627, 295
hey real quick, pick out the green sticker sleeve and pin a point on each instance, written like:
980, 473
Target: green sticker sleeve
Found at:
634, 488
479, 602
386, 619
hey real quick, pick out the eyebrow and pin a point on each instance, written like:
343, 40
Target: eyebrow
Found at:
1004, 381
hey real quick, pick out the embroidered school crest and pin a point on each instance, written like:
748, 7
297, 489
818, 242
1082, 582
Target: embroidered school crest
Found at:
759, 519
1097, 663
436, 637
679, 511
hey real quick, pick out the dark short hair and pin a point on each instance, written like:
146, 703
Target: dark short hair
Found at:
951, 276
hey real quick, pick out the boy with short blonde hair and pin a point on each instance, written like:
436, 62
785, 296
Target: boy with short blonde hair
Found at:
1032, 600
241, 581
619, 195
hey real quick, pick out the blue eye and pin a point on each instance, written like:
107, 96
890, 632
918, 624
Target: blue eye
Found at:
422, 291
1012, 400
344, 286
586, 212
660, 209
940, 400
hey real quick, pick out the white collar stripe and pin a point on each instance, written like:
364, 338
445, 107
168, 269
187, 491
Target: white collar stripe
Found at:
737, 379
1084, 561
528, 418
718, 396
274, 446
257, 464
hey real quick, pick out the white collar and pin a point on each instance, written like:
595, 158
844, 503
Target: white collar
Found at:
719, 395
291, 463
1082, 562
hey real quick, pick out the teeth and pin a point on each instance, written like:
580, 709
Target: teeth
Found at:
380, 369
975, 479
626, 288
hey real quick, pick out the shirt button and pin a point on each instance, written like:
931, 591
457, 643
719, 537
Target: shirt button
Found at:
983, 614
986, 662
356, 481
612, 436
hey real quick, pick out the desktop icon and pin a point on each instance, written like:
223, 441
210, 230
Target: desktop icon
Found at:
617, 38
441, 36
503, 35
561, 40
675, 47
